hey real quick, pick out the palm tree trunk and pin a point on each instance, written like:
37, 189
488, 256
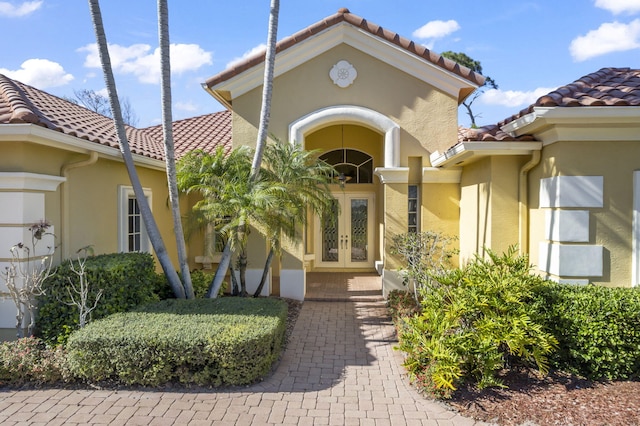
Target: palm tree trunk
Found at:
267, 89
242, 267
221, 272
265, 272
235, 290
169, 151
145, 210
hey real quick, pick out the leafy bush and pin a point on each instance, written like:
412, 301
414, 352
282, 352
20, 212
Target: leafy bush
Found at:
230, 341
473, 322
598, 329
126, 280
29, 360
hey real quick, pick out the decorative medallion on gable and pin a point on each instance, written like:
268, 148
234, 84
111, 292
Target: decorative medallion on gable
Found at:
343, 74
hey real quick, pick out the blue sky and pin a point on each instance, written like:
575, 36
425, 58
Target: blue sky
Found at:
528, 47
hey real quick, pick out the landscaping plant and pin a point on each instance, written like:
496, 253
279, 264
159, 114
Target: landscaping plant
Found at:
475, 321
213, 342
24, 277
426, 254
126, 280
598, 329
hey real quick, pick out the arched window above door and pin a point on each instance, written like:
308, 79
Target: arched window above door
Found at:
352, 166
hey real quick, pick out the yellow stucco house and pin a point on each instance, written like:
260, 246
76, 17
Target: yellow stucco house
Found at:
560, 178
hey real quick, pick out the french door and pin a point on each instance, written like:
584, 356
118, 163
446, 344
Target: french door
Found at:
346, 233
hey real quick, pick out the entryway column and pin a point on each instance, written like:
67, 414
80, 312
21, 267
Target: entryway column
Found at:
22, 204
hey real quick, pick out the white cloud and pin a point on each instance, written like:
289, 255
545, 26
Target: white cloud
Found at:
186, 106
609, 37
103, 92
258, 49
41, 73
619, 6
436, 29
140, 61
9, 10
513, 98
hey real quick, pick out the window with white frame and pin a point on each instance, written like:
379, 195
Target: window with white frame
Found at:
132, 234
413, 209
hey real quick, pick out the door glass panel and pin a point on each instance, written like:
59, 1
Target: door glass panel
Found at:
330, 235
359, 235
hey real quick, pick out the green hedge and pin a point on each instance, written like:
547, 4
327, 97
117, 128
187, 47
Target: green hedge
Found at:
126, 280
598, 329
226, 341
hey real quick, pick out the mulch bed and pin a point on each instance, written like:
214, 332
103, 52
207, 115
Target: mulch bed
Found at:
557, 399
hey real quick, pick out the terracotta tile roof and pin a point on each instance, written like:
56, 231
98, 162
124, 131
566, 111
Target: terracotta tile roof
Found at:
205, 132
491, 133
344, 15
23, 104
606, 87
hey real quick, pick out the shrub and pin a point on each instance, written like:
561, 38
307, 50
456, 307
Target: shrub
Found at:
126, 280
473, 322
200, 280
229, 341
29, 360
425, 254
401, 305
598, 329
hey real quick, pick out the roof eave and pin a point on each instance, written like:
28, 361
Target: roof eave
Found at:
470, 151
43, 136
251, 76
569, 121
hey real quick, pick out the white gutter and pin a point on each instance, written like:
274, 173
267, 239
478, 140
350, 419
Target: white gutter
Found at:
523, 202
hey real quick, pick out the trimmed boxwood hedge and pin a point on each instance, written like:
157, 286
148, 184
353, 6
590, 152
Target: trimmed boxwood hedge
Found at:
126, 279
598, 329
225, 341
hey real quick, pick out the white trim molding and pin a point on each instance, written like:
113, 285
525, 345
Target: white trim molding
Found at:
466, 152
350, 114
635, 238
124, 193
571, 260
568, 226
429, 175
572, 191
29, 181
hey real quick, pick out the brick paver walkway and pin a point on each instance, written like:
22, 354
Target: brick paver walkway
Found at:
339, 369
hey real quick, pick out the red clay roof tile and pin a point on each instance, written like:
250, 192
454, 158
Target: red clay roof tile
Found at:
23, 104
606, 87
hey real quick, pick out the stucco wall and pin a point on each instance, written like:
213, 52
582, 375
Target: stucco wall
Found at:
489, 205
84, 209
428, 117
609, 226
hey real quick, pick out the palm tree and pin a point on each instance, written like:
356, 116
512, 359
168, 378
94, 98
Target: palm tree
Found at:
301, 183
145, 209
292, 183
169, 151
222, 180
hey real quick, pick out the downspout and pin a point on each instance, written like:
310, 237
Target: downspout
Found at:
523, 202
64, 200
